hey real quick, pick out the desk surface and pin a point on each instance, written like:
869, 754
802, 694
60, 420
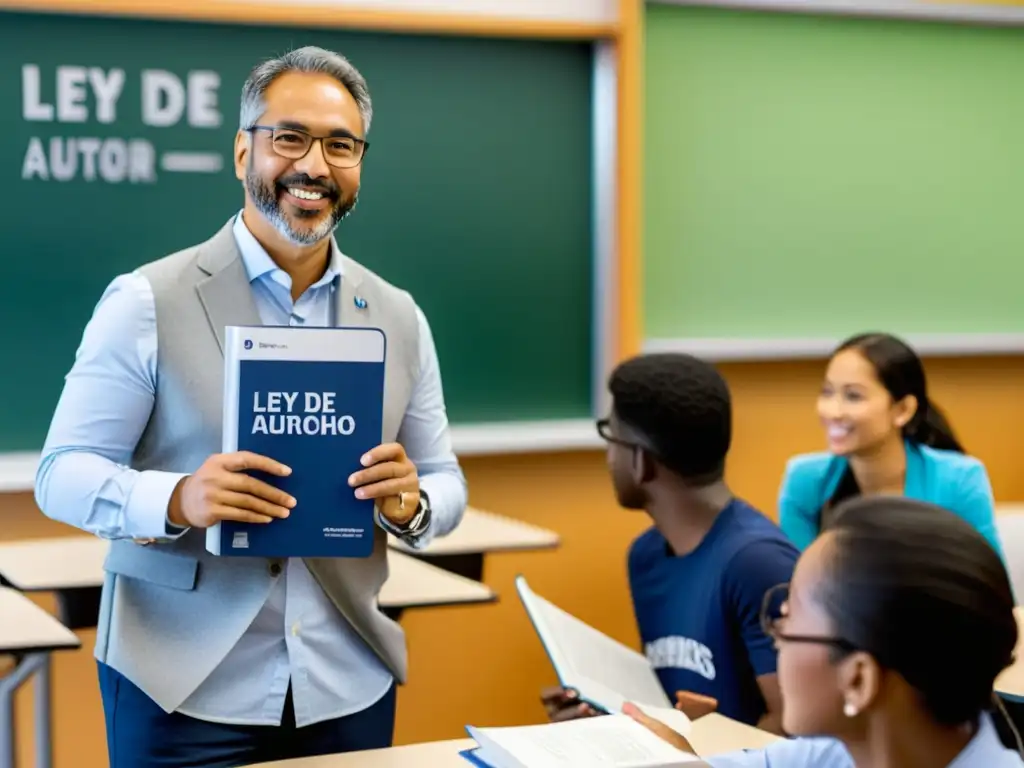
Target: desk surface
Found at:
65, 562
25, 627
481, 532
77, 561
712, 735
1011, 682
412, 583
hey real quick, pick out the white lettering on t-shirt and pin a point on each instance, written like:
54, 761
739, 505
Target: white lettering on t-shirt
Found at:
674, 652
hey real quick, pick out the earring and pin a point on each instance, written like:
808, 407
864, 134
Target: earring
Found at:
849, 709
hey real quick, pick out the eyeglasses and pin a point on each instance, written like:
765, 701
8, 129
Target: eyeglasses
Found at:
604, 429
775, 612
294, 144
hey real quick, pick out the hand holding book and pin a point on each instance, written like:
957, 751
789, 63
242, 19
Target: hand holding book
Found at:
390, 477
221, 490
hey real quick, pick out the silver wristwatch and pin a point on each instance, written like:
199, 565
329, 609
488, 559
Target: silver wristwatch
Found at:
415, 526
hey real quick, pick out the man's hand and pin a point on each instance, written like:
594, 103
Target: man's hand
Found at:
564, 704
220, 490
695, 705
388, 474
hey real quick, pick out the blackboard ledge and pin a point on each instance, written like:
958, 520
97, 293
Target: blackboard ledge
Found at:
525, 437
811, 348
18, 468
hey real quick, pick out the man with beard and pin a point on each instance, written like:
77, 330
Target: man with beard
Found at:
220, 661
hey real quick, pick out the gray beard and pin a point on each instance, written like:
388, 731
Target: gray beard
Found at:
266, 202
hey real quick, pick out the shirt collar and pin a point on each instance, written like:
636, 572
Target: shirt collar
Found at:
258, 262
984, 749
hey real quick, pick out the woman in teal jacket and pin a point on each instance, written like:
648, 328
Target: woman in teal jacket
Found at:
884, 437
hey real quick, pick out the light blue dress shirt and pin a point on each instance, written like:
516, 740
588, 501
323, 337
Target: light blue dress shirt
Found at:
299, 636
985, 750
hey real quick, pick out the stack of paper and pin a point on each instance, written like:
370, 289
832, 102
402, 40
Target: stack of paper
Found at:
613, 741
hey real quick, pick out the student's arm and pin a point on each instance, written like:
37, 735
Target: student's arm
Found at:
974, 502
798, 511
753, 571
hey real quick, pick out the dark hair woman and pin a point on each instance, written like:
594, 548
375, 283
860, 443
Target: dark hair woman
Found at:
885, 436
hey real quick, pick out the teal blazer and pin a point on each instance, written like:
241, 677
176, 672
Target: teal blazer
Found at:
945, 478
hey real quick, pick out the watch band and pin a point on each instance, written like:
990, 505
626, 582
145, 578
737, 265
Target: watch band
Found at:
413, 528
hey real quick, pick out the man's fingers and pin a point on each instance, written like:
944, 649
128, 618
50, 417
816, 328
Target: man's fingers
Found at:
239, 461
250, 485
571, 713
221, 512
251, 503
383, 452
557, 693
385, 488
378, 472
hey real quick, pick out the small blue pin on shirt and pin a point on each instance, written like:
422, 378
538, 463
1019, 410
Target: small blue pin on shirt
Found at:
360, 302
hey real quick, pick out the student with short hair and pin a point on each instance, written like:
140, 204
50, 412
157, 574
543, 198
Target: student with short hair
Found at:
885, 436
698, 575
898, 621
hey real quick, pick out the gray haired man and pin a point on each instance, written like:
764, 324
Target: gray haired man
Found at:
230, 661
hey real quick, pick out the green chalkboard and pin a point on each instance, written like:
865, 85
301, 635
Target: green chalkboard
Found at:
476, 195
812, 176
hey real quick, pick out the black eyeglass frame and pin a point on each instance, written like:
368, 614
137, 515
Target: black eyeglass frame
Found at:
781, 637
604, 430
312, 140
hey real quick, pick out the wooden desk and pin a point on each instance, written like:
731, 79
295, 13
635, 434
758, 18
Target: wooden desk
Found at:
415, 584
72, 568
29, 634
480, 533
712, 735
69, 566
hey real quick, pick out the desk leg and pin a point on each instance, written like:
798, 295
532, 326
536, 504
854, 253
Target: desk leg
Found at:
470, 565
8, 728
43, 714
79, 607
25, 667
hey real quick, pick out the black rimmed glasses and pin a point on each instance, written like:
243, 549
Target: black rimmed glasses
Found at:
774, 614
604, 429
340, 150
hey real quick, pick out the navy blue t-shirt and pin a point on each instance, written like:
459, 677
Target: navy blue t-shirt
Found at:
699, 614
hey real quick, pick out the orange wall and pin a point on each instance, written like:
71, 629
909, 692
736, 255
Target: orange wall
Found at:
483, 664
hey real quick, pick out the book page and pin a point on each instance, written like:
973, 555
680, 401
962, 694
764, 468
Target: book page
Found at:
614, 741
603, 670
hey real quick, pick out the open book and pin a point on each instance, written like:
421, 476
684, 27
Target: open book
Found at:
605, 673
615, 741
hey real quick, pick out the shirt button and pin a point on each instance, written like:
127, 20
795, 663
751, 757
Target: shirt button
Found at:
295, 629
275, 569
